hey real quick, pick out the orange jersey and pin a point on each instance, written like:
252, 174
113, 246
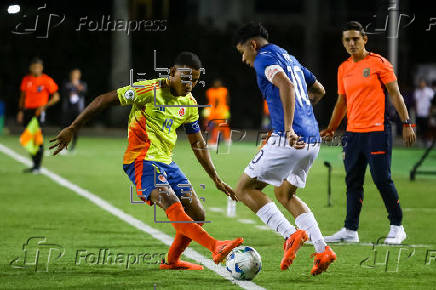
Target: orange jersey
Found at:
37, 90
363, 84
217, 98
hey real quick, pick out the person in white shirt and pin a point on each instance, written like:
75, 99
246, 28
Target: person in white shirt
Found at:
423, 98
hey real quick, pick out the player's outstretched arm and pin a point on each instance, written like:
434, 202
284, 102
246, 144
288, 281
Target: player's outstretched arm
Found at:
337, 116
316, 92
397, 101
199, 148
101, 102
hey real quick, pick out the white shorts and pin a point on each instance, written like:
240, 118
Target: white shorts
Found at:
276, 162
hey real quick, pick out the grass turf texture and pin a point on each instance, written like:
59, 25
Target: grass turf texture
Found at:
36, 206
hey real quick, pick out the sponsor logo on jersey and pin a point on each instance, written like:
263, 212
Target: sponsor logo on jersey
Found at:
129, 94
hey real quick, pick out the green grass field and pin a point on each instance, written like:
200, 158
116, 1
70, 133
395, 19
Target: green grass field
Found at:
35, 206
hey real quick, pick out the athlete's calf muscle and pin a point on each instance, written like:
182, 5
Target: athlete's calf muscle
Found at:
193, 207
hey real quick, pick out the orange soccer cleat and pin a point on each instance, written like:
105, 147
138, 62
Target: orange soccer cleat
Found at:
180, 265
222, 249
291, 246
322, 261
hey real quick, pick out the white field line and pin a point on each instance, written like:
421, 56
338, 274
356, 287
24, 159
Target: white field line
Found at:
364, 244
103, 204
420, 209
247, 221
215, 209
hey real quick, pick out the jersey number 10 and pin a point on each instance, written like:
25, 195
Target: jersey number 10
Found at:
296, 76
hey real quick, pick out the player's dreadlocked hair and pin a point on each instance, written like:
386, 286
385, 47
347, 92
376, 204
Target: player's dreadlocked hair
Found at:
354, 25
248, 31
189, 59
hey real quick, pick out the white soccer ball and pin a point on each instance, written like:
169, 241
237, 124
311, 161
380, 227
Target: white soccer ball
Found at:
243, 263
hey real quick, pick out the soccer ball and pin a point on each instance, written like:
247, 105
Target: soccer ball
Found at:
243, 263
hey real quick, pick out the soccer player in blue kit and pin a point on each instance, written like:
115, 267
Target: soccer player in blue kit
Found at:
289, 89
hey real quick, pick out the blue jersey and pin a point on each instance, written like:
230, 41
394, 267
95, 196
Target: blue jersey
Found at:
271, 59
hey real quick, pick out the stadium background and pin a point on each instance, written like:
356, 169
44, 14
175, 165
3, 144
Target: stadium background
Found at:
41, 205
310, 30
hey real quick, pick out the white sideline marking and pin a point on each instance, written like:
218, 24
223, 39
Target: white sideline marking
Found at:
378, 245
421, 209
246, 221
215, 209
263, 227
164, 238
266, 228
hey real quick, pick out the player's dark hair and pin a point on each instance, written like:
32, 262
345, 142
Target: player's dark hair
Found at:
189, 59
248, 31
354, 25
36, 60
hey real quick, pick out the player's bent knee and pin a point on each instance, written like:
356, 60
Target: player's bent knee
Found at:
284, 194
194, 209
164, 197
199, 215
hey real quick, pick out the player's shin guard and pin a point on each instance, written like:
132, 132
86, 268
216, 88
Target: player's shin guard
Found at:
178, 246
306, 221
274, 218
191, 230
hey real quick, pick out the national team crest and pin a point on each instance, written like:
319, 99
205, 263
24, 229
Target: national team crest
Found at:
162, 178
366, 72
182, 112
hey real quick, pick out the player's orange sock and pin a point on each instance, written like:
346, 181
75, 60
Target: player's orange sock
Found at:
192, 230
178, 246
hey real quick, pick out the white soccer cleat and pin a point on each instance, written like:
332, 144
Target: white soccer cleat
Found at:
343, 235
396, 235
